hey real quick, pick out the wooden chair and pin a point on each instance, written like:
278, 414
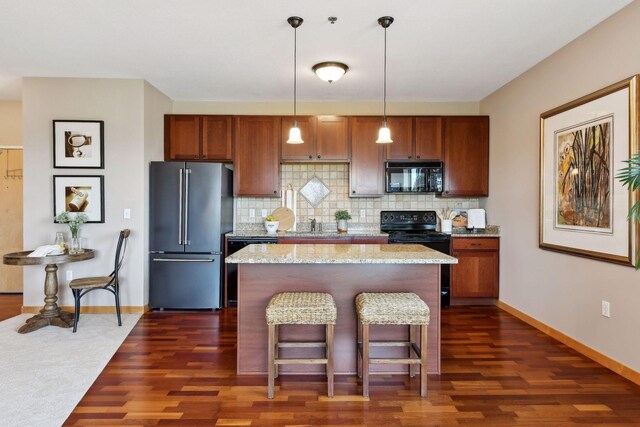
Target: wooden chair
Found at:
111, 283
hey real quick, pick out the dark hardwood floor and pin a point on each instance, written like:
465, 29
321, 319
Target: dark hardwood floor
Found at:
179, 369
10, 305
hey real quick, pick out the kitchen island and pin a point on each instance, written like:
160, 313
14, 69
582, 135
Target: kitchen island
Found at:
343, 271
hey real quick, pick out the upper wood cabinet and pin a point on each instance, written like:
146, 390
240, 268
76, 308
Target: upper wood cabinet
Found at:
466, 156
217, 138
192, 137
402, 147
326, 139
299, 152
367, 158
256, 156
428, 138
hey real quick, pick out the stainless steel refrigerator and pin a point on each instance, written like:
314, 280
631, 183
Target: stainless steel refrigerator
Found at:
191, 207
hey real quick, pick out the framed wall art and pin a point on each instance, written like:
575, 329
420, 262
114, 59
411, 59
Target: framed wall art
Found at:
78, 144
79, 193
583, 208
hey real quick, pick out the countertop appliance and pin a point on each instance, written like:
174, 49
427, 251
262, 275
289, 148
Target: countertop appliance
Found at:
234, 244
419, 227
191, 208
412, 177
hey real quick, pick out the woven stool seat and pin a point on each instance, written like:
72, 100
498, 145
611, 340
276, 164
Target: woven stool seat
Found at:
301, 308
399, 308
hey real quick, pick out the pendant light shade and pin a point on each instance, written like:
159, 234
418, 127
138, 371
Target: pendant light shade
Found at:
384, 134
295, 137
330, 71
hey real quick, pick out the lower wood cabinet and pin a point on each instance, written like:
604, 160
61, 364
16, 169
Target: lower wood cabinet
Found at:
477, 273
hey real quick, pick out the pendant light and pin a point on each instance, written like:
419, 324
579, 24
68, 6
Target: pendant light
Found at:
294, 133
384, 134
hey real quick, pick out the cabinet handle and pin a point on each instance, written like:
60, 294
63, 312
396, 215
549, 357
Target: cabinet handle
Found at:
417, 157
310, 156
455, 254
409, 157
319, 156
195, 157
204, 157
275, 191
475, 244
353, 191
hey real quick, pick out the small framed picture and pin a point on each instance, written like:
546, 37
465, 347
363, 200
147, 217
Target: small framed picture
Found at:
78, 144
79, 193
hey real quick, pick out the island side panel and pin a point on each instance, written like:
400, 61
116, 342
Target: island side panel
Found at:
257, 283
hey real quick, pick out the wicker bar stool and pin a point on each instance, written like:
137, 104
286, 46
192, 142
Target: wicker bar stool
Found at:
300, 308
400, 308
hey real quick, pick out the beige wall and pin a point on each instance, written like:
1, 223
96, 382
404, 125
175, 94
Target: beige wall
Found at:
128, 145
11, 123
370, 108
560, 290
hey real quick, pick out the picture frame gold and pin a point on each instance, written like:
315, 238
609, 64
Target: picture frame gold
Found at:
583, 144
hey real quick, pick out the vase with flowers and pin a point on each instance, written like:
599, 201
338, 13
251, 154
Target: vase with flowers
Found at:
74, 220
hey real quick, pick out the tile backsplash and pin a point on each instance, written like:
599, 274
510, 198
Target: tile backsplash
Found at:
336, 177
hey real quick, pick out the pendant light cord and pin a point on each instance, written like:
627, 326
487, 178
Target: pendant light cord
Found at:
295, 75
385, 78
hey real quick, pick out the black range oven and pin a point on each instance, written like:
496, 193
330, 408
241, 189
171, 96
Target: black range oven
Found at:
419, 227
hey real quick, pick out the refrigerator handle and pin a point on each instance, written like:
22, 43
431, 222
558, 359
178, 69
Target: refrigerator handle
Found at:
187, 172
180, 206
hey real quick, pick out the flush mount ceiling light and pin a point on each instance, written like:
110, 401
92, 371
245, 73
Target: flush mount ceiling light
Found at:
330, 71
384, 134
294, 133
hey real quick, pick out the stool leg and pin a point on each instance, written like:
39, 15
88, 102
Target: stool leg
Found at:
330, 360
423, 360
276, 349
272, 365
365, 360
358, 349
412, 339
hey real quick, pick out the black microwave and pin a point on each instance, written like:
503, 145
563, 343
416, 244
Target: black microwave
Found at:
406, 177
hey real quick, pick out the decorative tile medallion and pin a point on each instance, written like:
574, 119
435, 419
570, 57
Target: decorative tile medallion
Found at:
314, 191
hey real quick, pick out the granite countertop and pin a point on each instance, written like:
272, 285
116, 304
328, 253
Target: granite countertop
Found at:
490, 231
338, 254
319, 234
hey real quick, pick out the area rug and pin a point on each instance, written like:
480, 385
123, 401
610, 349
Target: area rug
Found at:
45, 373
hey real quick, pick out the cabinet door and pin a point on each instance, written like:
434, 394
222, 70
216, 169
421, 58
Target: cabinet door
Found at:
466, 156
477, 273
402, 135
300, 152
256, 155
367, 158
217, 138
332, 138
181, 137
428, 139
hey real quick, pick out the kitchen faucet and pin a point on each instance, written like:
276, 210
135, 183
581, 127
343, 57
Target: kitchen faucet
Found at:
313, 224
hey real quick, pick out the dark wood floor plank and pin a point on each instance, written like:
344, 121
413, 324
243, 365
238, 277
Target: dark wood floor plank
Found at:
178, 369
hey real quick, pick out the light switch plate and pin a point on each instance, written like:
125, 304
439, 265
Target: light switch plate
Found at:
252, 213
127, 213
264, 213
363, 213
69, 275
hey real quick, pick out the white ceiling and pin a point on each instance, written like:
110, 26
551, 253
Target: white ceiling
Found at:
242, 50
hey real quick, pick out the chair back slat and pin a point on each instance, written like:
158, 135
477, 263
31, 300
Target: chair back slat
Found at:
121, 249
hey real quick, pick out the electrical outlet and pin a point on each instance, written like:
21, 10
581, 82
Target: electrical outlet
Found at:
363, 213
264, 213
252, 213
606, 308
127, 213
69, 275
